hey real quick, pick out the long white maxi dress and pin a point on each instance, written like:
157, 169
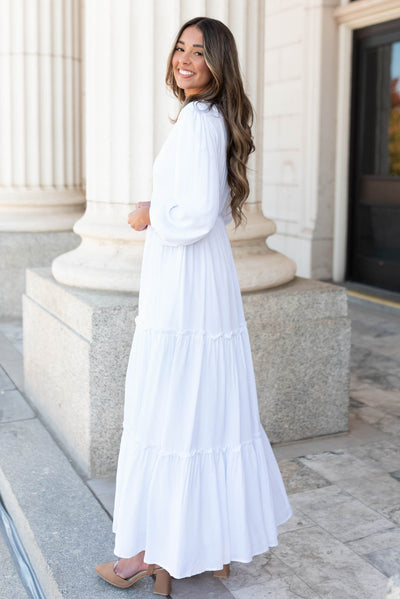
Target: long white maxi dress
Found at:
197, 483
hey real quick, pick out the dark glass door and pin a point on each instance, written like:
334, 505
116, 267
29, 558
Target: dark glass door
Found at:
374, 224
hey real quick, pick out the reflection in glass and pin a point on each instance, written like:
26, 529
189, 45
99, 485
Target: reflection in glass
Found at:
394, 119
381, 151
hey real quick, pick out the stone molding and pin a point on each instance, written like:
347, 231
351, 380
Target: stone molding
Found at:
367, 12
38, 210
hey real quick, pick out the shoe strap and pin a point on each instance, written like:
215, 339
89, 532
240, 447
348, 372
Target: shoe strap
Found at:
150, 570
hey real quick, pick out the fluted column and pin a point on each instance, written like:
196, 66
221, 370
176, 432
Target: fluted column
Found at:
257, 265
127, 44
121, 70
40, 128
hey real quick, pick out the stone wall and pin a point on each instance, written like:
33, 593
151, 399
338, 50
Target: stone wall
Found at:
300, 129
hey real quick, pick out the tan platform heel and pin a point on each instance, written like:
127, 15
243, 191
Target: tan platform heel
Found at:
224, 573
162, 585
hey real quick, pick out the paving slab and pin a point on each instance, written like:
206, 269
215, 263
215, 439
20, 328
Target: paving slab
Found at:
5, 381
359, 433
14, 407
377, 541
104, 489
13, 331
298, 520
331, 569
385, 344
339, 513
11, 362
387, 401
380, 493
386, 560
289, 587
376, 369
266, 577
201, 586
387, 423
337, 465
385, 453
298, 477
392, 513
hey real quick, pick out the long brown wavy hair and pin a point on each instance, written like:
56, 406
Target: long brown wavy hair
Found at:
226, 91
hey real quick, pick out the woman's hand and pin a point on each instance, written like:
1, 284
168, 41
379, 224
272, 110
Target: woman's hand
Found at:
139, 219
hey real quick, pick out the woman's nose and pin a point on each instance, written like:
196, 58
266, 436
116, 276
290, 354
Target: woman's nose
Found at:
185, 57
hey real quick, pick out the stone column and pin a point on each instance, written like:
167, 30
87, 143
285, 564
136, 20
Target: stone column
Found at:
257, 265
40, 141
126, 122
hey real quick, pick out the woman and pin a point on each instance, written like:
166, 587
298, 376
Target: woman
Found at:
197, 483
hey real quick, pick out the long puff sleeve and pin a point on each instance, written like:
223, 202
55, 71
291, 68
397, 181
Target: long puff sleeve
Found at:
185, 200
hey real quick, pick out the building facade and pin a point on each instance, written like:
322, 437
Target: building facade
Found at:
332, 121
86, 113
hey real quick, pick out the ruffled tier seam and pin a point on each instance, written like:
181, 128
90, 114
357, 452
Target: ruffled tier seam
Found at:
190, 454
192, 332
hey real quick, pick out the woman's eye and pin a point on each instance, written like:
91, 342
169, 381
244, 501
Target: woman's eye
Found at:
178, 49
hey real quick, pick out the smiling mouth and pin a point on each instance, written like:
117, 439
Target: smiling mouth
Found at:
185, 73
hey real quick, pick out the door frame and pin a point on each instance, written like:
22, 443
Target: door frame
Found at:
349, 16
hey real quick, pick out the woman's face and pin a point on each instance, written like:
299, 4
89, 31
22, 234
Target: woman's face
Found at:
190, 70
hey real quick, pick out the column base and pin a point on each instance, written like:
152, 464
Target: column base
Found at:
98, 264
110, 255
258, 267
77, 343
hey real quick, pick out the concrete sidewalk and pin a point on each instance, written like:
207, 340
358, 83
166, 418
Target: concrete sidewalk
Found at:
343, 540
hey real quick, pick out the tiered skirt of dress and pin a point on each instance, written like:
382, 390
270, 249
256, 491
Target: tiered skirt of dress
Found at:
198, 485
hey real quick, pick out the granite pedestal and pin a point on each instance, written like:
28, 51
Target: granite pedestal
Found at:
300, 338
77, 343
19, 251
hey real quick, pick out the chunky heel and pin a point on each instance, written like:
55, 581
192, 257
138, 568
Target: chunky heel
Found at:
224, 573
162, 585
